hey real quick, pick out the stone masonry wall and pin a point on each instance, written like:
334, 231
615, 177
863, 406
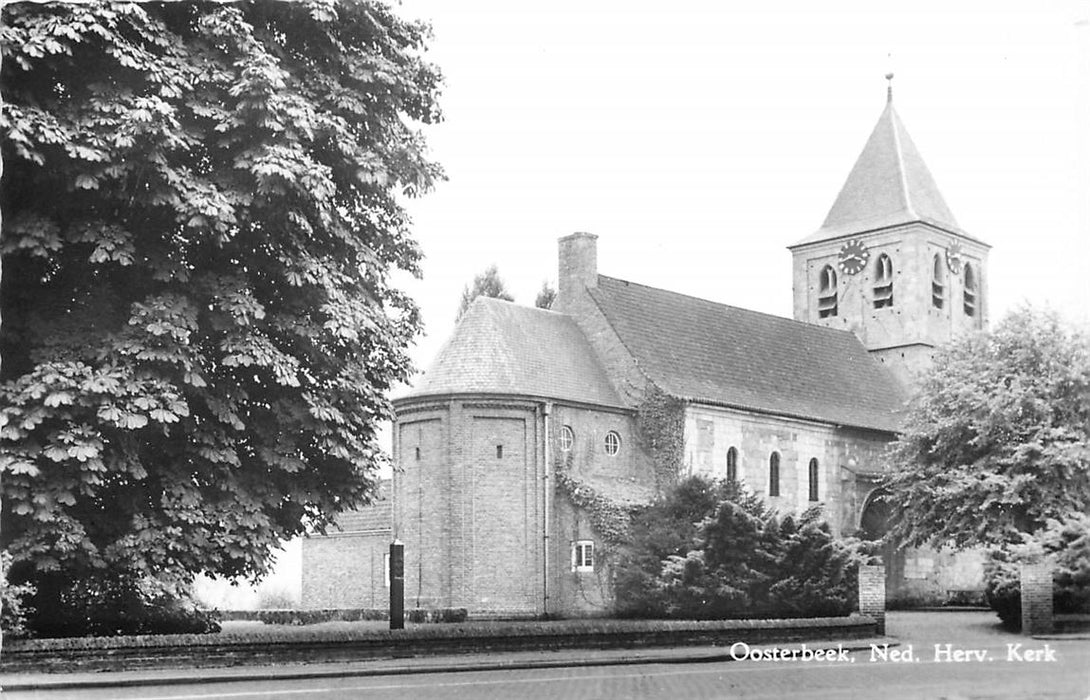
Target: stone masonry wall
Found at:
902, 336
711, 431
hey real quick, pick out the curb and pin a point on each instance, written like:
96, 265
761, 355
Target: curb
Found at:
400, 667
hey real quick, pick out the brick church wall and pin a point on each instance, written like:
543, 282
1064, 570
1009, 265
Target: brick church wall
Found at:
346, 568
469, 509
627, 476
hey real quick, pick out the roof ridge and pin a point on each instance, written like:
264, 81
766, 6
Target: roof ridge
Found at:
895, 122
731, 306
518, 305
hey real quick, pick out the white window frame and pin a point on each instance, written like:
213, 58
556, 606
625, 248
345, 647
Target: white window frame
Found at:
614, 444
582, 556
567, 438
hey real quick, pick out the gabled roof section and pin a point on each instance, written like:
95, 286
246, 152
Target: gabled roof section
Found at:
503, 348
377, 516
889, 185
712, 353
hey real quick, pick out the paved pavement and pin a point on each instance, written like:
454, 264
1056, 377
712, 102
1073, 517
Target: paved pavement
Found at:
952, 655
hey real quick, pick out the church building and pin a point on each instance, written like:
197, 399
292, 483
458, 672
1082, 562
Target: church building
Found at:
533, 426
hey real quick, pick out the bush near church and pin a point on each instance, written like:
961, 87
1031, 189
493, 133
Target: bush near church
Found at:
1066, 544
712, 550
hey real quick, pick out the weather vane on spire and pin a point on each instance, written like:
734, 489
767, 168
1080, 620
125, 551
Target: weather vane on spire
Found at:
889, 77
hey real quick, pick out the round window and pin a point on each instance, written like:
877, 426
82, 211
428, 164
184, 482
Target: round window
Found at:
613, 443
567, 439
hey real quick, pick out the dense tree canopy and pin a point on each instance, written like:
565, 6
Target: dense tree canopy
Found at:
997, 442
487, 284
201, 215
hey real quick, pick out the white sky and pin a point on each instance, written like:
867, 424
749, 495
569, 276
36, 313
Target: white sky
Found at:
699, 142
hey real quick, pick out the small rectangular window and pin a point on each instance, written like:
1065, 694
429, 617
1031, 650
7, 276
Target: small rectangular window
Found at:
499, 451
582, 555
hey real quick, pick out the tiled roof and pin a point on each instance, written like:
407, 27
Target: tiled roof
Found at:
889, 185
376, 516
500, 347
703, 351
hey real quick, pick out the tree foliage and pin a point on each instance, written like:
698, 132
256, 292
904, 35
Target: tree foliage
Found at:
997, 442
714, 550
546, 296
1063, 544
487, 284
202, 212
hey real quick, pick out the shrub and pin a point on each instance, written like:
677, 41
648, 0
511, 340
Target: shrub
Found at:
712, 550
13, 608
1066, 545
114, 604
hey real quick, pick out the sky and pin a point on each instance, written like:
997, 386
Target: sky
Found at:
699, 142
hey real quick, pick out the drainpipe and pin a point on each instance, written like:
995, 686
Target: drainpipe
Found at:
547, 409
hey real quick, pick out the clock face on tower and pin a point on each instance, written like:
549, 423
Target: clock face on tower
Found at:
853, 256
953, 257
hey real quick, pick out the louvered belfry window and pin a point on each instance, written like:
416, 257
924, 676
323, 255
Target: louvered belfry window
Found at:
883, 282
970, 291
827, 293
938, 284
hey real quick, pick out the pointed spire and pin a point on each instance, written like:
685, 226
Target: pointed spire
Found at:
889, 185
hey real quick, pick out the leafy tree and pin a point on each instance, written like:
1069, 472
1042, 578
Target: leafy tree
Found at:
1065, 544
545, 297
997, 442
487, 284
201, 218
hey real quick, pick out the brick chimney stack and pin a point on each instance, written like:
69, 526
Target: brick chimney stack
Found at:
578, 268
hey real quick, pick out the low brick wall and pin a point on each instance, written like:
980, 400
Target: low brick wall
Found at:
310, 617
320, 646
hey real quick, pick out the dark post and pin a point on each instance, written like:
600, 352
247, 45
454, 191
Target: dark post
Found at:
397, 585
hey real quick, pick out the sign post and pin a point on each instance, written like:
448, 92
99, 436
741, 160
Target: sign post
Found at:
397, 585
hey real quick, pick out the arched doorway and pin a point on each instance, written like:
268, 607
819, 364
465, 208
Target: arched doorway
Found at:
874, 524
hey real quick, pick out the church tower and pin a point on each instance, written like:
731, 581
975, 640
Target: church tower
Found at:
890, 262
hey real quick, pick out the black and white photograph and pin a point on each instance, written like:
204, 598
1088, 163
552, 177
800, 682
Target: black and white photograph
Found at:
479, 349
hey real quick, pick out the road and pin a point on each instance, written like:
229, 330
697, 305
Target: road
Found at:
980, 662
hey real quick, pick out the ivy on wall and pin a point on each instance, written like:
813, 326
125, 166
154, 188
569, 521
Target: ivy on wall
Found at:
660, 427
609, 517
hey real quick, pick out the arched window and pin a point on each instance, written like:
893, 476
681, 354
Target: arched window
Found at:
567, 438
774, 474
938, 284
970, 291
827, 292
732, 465
883, 282
814, 479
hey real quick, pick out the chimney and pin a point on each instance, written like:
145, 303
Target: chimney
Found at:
578, 268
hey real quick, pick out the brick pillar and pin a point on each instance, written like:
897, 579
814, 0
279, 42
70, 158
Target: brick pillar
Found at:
872, 595
1036, 580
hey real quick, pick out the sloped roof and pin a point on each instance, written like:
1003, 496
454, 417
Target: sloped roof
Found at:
500, 347
708, 352
376, 516
889, 185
